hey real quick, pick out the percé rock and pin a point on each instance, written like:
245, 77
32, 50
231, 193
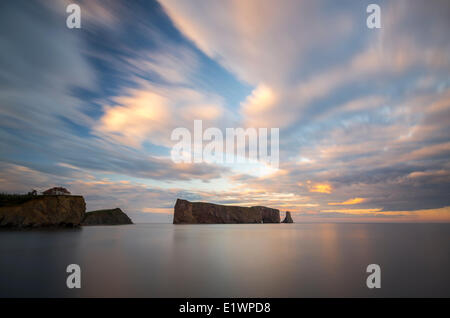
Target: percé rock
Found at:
44, 211
288, 218
106, 217
186, 212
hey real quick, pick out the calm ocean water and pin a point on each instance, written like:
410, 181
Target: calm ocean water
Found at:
270, 260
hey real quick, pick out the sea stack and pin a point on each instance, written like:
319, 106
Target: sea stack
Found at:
288, 218
106, 217
186, 212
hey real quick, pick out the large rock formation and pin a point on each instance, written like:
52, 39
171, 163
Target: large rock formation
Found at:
288, 218
106, 217
208, 213
44, 211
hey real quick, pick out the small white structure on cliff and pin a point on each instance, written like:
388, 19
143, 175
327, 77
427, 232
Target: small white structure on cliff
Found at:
56, 191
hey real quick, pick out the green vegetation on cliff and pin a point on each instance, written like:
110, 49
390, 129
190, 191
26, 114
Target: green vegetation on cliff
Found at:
14, 199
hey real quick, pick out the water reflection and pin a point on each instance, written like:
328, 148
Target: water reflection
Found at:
270, 260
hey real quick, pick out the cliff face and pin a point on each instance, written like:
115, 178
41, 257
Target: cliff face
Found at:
106, 217
288, 218
44, 211
208, 213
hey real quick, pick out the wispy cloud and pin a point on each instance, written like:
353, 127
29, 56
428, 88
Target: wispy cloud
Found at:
363, 114
349, 201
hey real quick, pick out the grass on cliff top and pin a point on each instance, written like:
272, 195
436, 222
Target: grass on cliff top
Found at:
14, 199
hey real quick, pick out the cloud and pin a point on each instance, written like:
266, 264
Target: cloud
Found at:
36, 73
352, 211
362, 113
434, 176
349, 201
150, 113
320, 188
238, 33
442, 149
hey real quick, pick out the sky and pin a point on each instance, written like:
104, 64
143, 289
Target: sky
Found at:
363, 114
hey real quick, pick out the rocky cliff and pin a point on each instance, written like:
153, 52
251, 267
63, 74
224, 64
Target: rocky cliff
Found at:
186, 212
44, 211
106, 217
288, 218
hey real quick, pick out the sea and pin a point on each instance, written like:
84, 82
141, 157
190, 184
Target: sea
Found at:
229, 260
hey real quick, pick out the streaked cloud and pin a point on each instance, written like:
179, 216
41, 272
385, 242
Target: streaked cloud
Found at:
150, 113
349, 201
363, 114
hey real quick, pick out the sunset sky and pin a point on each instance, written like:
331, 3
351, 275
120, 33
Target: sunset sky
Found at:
363, 113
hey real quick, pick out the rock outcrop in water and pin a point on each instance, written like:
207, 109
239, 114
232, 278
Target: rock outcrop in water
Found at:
186, 212
288, 218
106, 217
44, 211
